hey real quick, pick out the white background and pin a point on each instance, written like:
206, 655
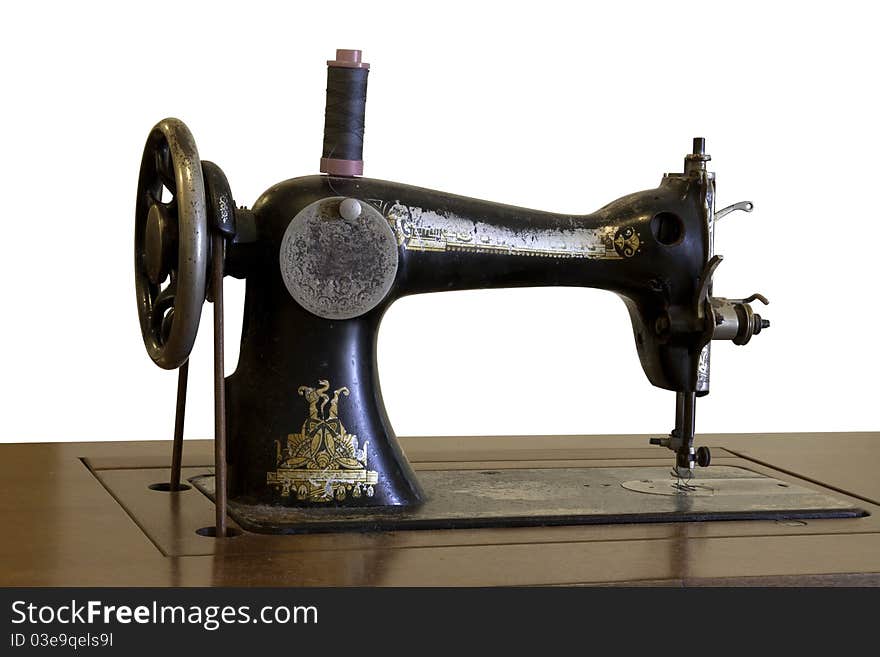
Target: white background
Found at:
554, 106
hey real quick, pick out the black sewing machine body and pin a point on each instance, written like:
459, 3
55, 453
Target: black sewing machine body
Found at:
649, 247
325, 256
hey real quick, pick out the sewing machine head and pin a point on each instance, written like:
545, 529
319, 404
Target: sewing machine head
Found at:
325, 255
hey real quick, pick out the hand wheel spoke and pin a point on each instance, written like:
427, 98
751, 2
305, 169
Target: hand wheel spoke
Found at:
163, 305
155, 196
165, 298
165, 169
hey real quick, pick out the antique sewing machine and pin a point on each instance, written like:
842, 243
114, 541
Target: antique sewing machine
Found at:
302, 437
305, 482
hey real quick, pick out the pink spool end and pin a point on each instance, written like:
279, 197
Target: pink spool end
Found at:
336, 167
348, 59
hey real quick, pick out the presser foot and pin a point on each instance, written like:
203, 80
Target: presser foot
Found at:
681, 439
683, 478
686, 458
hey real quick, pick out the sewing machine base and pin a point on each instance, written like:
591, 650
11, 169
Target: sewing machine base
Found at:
475, 499
83, 514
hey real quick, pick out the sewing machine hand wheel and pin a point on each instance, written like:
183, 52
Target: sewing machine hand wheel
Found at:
170, 243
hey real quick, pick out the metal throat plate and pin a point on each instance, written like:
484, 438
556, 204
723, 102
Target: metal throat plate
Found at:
558, 496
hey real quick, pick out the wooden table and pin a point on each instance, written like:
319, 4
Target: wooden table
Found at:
63, 527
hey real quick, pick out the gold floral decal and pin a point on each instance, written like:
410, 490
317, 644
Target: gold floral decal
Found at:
627, 242
322, 462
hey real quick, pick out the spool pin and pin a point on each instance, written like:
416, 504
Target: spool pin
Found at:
344, 114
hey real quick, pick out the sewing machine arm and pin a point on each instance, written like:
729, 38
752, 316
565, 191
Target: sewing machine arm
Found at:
649, 247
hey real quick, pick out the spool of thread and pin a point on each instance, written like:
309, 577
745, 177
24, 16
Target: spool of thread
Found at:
344, 114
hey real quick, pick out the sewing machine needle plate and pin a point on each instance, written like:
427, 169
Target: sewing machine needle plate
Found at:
559, 496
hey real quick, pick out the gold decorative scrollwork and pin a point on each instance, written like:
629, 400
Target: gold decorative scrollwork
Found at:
627, 242
323, 462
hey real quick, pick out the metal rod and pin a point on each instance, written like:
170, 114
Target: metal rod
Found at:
177, 445
688, 403
219, 389
688, 417
679, 411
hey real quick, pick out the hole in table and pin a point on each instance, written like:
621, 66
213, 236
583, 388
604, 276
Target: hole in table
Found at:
211, 532
165, 487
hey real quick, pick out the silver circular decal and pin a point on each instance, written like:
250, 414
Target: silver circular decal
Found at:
338, 262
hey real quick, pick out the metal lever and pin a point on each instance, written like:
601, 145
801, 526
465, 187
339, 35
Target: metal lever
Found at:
706, 283
754, 297
220, 470
179, 414
745, 206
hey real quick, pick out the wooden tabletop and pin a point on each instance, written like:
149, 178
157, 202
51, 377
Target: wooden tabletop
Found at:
80, 514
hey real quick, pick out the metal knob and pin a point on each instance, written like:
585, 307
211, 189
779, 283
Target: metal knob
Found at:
704, 457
